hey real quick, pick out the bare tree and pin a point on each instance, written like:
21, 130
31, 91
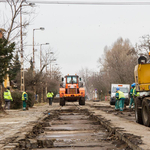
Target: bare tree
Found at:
12, 24
86, 74
144, 46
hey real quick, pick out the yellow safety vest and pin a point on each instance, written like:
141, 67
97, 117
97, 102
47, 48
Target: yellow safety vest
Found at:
7, 95
135, 93
121, 94
23, 98
49, 95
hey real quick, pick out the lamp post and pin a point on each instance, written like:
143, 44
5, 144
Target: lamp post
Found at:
34, 89
41, 28
51, 67
51, 60
41, 54
54, 69
42, 98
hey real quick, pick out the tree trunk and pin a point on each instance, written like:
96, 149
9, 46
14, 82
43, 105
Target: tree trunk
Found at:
1, 98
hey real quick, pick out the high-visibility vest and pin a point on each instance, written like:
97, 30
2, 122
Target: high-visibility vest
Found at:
135, 93
49, 94
24, 97
7, 95
121, 94
131, 92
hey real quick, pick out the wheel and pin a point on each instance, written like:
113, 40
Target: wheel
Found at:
138, 111
82, 101
62, 102
112, 101
146, 112
126, 101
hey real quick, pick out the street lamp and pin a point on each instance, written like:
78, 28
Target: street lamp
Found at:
41, 54
41, 28
50, 67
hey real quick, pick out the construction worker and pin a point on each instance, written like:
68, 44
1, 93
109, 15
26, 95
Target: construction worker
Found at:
135, 93
120, 96
50, 97
7, 98
24, 99
131, 96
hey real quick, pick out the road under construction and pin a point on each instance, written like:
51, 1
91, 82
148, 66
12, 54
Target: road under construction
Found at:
96, 125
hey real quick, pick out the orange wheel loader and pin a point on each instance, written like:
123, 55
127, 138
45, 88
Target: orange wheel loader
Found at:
72, 90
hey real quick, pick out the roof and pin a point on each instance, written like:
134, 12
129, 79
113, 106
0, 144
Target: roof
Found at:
71, 75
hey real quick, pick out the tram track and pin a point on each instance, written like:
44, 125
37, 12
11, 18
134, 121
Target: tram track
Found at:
69, 127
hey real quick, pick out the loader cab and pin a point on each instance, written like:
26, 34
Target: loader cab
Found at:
142, 60
71, 79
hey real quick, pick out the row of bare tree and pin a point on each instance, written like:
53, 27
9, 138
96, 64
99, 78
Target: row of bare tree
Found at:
116, 66
44, 79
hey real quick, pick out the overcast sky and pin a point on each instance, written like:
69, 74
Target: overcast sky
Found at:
79, 33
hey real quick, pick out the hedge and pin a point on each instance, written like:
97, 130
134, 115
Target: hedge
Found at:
17, 100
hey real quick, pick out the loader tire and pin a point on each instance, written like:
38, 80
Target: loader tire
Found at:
146, 112
138, 111
62, 102
82, 101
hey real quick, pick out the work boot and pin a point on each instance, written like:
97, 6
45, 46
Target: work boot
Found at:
116, 109
121, 112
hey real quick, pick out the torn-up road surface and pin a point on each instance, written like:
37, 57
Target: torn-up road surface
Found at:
72, 127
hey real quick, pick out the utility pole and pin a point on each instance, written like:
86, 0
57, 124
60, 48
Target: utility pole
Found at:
22, 88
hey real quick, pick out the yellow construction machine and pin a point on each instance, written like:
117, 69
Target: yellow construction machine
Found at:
142, 80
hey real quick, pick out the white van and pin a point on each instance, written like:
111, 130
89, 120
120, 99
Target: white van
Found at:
125, 88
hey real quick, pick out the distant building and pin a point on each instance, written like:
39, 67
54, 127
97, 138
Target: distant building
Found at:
2, 32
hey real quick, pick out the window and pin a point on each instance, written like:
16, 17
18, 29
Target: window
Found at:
122, 89
71, 79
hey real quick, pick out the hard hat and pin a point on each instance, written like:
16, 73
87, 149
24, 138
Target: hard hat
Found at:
117, 88
133, 84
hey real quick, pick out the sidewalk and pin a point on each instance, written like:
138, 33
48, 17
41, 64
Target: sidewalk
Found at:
19, 121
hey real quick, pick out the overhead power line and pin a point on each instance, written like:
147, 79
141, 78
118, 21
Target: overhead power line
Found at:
86, 2
90, 3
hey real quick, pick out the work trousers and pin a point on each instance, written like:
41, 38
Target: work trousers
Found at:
121, 103
50, 100
131, 102
117, 104
7, 104
24, 105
